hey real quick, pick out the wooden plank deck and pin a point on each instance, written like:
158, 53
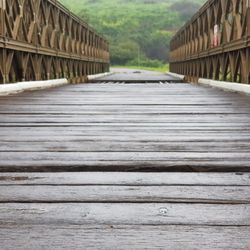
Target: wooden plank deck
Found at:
120, 127
115, 210
173, 162
137, 76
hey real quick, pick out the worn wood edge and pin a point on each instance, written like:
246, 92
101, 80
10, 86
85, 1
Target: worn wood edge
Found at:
181, 77
99, 76
15, 88
229, 86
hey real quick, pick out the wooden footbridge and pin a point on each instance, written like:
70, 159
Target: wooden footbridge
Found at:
132, 160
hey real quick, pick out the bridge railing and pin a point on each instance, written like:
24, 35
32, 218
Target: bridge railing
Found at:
41, 40
215, 43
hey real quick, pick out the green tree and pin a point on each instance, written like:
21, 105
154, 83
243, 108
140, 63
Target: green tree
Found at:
136, 29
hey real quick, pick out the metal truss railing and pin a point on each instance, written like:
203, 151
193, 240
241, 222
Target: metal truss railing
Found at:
41, 40
215, 43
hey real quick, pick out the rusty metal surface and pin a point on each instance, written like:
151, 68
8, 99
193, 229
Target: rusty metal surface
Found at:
41, 40
215, 43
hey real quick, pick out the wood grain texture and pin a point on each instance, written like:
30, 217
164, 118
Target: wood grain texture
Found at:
125, 214
124, 237
77, 145
110, 127
123, 161
126, 179
135, 194
124, 210
159, 128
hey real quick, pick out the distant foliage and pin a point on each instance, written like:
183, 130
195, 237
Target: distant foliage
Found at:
139, 31
185, 9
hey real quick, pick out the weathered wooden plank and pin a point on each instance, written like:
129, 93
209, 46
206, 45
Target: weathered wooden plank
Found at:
127, 156
124, 214
116, 89
132, 108
33, 165
135, 194
136, 124
151, 93
144, 135
144, 138
127, 128
107, 129
54, 111
184, 118
80, 237
127, 179
220, 99
113, 102
123, 161
151, 90
184, 92
117, 101
222, 105
133, 97
122, 118
44, 145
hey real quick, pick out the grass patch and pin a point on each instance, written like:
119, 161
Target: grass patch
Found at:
162, 69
